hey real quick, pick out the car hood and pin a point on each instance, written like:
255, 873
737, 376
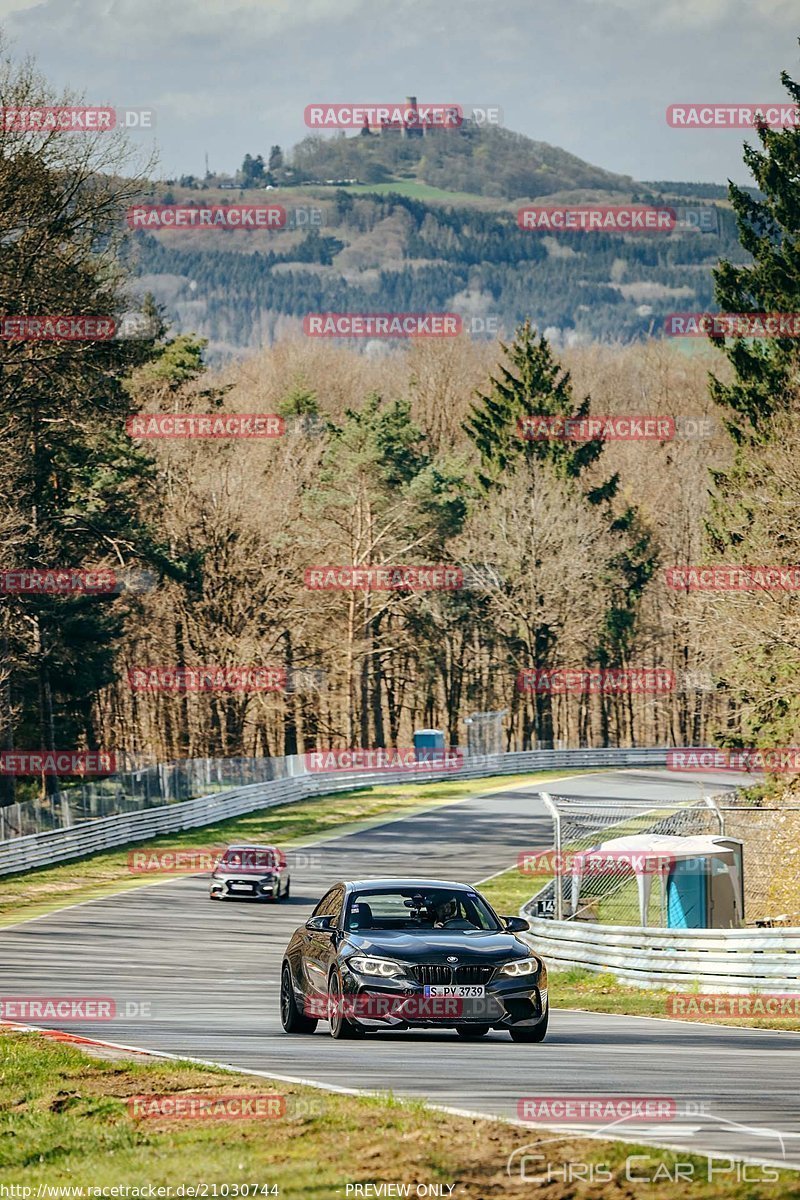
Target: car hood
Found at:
469, 946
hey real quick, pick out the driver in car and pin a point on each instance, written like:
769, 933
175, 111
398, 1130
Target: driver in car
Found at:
446, 916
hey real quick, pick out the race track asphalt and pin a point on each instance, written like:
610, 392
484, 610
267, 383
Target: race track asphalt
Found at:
201, 979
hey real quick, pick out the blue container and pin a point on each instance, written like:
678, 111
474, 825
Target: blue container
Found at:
687, 897
429, 745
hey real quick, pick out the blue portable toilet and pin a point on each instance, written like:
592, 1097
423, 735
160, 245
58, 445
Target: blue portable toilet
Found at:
701, 878
707, 891
687, 895
429, 745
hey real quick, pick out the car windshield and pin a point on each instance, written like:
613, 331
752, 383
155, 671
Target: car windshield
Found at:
419, 908
248, 858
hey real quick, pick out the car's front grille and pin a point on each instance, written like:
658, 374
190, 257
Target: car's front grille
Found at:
473, 974
432, 974
439, 973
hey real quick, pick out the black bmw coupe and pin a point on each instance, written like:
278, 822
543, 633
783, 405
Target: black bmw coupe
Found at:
409, 953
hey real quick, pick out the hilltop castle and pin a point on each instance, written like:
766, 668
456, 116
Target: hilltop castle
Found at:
413, 122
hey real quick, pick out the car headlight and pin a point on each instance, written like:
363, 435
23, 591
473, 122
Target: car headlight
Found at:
521, 966
376, 966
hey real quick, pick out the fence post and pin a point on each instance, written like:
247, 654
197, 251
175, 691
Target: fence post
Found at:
547, 799
711, 801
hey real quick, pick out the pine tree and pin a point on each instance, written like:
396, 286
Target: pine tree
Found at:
532, 382
766, 371
754, 502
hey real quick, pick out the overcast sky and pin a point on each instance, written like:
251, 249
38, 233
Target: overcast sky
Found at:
592, 76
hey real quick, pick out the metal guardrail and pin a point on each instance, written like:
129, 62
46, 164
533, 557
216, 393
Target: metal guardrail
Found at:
733, 960
730, 960
105, 833
136, 786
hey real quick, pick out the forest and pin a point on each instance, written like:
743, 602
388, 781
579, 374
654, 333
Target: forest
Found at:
564, 550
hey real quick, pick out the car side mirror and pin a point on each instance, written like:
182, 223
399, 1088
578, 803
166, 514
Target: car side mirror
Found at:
321, 924
515, 924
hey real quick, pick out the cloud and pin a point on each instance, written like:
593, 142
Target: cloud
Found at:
9, 7
694, 14
592, 76
160, 22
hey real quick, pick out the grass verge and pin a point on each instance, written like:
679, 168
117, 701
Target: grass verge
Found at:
67, 1119
36, 893
605, 994
509, 891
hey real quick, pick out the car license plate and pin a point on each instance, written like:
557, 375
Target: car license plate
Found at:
241, 887
465, 991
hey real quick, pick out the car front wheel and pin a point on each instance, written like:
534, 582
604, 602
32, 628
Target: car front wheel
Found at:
341, 1027
531, 1033
292, 1020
